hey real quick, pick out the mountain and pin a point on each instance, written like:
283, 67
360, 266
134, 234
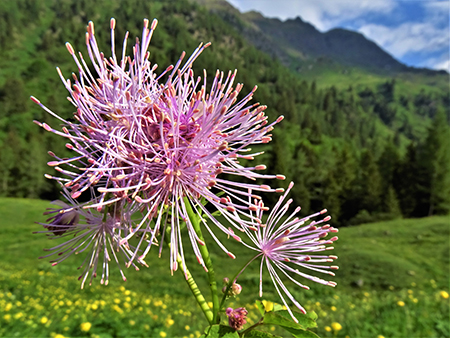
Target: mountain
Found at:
300, 46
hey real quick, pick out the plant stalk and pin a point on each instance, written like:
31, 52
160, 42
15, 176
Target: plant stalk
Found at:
193, 286
195, 221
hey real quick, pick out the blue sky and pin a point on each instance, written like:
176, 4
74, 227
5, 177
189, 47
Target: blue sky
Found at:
416, 32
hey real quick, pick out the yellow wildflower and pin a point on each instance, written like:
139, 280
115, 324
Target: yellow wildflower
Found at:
86, 326
18, 315
162, 334
336, 326
8, 307
366, 294
210, 304
58, 335
187, 327
7, 317
410, 291
170, 322
268, 305
132, 322
44, 320
415, 300
117, 300
94, 306
327, 328
333, 308
401, 303
118, 309
127, 292
444, 294
380, 336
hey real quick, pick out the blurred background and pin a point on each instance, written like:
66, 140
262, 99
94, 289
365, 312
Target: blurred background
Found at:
364, 88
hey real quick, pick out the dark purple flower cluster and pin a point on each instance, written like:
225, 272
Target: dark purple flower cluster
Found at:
237, 318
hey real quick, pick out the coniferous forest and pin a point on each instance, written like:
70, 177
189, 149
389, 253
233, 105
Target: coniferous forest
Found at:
365, 152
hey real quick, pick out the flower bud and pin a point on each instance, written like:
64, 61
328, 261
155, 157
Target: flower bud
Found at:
236, 289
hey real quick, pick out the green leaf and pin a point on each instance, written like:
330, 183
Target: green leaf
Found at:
301, 333
277, 307
305, 321
284, 319
260, 307
277, 319
312, 315
222, 331
259, 334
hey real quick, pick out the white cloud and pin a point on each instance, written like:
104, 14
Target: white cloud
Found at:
445, 65
438, 63
437, 12
323, 14
409, 37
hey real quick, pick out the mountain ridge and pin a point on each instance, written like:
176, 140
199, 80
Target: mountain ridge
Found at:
299, 45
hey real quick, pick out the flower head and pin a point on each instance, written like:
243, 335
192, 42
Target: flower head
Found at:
86, 326
288, 243
161, 145
237, 318
98, 234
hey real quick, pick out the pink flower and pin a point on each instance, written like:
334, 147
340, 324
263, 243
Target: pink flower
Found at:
287, 243
96, 234
163, 146
237, 317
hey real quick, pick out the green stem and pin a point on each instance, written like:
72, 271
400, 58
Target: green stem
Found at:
193, 286
242, 334
196, 292
232, 281
195, 221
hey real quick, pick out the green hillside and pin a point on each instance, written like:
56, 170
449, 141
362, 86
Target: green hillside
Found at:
381, 264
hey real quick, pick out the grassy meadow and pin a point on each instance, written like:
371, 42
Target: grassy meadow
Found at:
393, 282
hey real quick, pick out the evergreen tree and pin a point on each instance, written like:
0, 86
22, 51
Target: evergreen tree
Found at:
435, 165
406, 181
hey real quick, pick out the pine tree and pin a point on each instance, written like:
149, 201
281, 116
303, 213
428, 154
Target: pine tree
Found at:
406, 181
435, 165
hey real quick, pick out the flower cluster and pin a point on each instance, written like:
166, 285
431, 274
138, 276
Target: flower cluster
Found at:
156, 148
149, 154
286, 243
237, 318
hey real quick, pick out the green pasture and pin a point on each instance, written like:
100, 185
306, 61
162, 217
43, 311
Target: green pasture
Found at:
393, 282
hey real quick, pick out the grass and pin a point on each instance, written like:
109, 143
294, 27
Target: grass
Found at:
392, 282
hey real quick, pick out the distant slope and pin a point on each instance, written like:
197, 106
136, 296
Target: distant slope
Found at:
343, 46
300, 46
